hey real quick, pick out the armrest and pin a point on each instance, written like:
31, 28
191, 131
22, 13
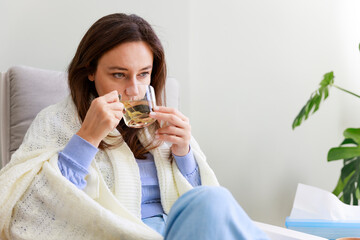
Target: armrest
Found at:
279, 233
4, 119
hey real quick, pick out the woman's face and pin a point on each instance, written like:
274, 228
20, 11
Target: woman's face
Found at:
122, 68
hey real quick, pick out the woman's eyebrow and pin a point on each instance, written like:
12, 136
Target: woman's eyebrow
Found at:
146, 68
125, 69
117, 68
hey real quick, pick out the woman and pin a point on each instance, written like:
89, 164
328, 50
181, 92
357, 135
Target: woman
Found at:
80, 173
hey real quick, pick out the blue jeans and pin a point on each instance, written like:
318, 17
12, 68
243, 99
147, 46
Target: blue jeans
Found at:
206, 213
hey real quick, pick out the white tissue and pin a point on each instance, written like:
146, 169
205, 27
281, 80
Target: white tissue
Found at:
315, 203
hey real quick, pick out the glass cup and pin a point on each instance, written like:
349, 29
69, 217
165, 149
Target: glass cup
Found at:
138, 103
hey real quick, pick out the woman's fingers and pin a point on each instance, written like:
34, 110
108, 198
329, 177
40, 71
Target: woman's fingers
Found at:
103, 116
111, 97
177, 131
172, 111
116, 106
171, 118
171, 130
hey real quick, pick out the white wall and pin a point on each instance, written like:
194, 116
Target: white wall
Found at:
245, 68
349, 28
254, 64
45, 34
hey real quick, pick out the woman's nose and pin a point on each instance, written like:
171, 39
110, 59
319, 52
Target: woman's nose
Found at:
132, 88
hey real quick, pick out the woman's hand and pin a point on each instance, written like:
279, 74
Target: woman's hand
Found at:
103, 116
177, 130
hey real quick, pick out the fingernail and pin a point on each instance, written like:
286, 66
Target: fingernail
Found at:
156, 136
156, 108
152, 113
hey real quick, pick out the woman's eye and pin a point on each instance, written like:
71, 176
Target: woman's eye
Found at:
144, 74
118, 75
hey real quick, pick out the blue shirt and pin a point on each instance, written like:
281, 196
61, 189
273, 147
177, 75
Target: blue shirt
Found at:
75, 159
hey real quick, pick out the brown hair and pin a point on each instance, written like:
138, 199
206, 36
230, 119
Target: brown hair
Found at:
104, 35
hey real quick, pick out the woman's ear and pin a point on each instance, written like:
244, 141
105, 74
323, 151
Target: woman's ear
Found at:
91, 77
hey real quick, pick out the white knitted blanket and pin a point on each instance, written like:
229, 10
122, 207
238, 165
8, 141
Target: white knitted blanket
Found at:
37, 202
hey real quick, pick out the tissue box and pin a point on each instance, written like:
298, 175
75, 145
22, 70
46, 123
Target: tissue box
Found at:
325, 228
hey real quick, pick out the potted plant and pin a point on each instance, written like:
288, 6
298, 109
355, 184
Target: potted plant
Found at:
348, 186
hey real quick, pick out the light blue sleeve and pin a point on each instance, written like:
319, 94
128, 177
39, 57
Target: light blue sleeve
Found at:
75, 159
189, 168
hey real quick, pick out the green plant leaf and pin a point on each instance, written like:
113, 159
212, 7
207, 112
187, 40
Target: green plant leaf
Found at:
353, 133
355, 199
328, 79
346, 195
317, 101
326, 93
348, 160
348, 189
341, 184
339, 187
348, 141
309, 106
313, 104
297, 121
343, 153
348, 186
346, 171
357, 191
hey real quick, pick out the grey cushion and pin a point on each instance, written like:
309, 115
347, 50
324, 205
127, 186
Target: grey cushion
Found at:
31, 90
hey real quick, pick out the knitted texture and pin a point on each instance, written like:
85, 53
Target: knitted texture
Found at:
37, 202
